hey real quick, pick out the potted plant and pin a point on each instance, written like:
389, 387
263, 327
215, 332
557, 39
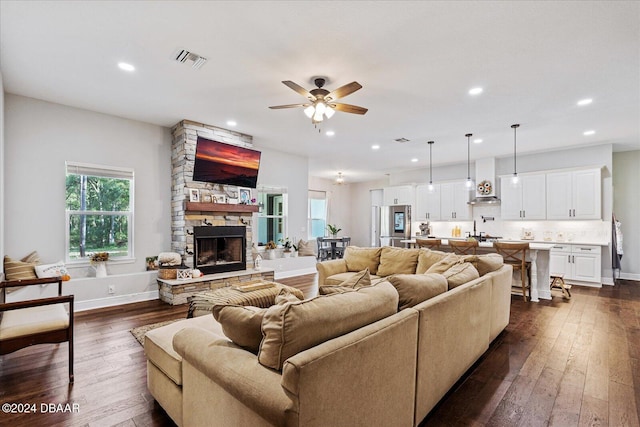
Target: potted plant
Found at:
270, 250
287, 245
333, 230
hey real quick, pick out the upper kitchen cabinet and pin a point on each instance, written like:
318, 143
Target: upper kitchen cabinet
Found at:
574, 194
427, 203
524, 200
454, 198
398, 195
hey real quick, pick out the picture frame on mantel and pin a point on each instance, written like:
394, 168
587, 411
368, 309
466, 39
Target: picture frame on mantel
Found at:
244, 195
194, 195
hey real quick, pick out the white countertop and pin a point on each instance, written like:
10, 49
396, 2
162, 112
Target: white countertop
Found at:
540, 246
573, 242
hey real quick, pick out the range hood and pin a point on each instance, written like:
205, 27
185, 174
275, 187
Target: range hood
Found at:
486, 183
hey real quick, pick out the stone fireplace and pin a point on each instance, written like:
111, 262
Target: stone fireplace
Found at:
187, 216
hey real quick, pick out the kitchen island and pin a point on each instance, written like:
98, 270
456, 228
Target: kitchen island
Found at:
538, 255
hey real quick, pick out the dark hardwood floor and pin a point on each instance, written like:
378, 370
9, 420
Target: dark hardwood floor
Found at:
558, 363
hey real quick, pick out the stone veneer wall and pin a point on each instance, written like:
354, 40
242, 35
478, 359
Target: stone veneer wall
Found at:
183, 151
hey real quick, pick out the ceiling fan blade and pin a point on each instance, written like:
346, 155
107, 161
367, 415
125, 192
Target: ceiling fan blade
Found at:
343, 91
347, 108
277, 107
302, 91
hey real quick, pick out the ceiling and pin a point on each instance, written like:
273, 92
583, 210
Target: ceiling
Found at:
415, 60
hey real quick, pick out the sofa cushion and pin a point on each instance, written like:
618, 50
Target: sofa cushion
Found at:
397, 261
241, 324
485, 263
358, 259
357, 280
428, 257
339, 278
444, 264
461, 273
158, 344
294, 327
415, 288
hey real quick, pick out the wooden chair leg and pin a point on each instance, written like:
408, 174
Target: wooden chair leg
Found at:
523, 283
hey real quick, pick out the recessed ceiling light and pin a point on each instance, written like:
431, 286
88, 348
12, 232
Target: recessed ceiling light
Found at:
477, 141
585, 101
126, 67
375, 147
231, 123
330, 133
414, 160
475, 91
589, 132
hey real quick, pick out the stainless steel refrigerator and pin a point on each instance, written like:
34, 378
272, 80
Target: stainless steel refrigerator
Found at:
395, 225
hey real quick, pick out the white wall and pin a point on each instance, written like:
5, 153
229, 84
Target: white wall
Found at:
280, 169
39, 138
626, 206
1, 168
360, 210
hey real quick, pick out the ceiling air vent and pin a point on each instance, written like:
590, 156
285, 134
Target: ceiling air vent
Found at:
401, 140
186, 57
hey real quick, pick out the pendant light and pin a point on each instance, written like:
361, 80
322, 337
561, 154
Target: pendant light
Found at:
430, 188
514, 179
469, 183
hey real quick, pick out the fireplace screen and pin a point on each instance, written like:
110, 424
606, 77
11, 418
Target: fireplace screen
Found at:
219, 249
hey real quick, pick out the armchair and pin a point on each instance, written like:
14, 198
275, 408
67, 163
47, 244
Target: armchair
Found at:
39, 321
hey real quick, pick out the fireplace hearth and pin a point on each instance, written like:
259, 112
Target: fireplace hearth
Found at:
219, 249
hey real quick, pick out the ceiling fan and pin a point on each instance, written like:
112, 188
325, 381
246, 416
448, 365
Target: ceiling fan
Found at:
321, 103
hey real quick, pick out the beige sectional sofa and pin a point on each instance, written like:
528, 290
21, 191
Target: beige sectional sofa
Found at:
349, 357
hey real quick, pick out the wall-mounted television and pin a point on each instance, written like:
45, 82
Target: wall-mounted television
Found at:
228, 164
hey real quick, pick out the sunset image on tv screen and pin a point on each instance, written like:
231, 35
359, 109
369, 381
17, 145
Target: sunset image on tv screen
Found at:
225, 164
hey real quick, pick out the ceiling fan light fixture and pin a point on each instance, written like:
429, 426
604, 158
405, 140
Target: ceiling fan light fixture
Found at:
309, 111
329, 112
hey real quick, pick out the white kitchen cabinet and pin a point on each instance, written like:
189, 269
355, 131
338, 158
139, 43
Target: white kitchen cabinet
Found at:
576, 262
524, 200
454, 198
398, 195
427, 203
574, 194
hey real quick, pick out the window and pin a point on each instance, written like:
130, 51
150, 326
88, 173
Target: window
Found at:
317, 217
99, 211
272, 216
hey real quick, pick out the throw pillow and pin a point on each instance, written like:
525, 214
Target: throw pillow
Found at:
397, 261
241, 324
485, 263
428, 257
288, 295
51, 270
459, 274
295, 327
415, 288
358, 280
444, 264
19, 270
358, 259
307, 248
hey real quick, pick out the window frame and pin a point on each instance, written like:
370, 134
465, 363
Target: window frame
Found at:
261, 212
310, 194
101, 171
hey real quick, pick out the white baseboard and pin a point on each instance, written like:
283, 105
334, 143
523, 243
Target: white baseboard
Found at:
629, 276
116, 300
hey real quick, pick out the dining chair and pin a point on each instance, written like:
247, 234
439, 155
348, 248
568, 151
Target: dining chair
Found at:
324, 249
37, 321
515, 254
341, 246
464, 247
429, 243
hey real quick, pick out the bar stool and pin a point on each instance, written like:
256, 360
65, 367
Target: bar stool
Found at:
429, 243
464, 247
515, 254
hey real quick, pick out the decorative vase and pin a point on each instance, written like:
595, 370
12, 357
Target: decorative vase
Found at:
101, 269
286, 254
270, 254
